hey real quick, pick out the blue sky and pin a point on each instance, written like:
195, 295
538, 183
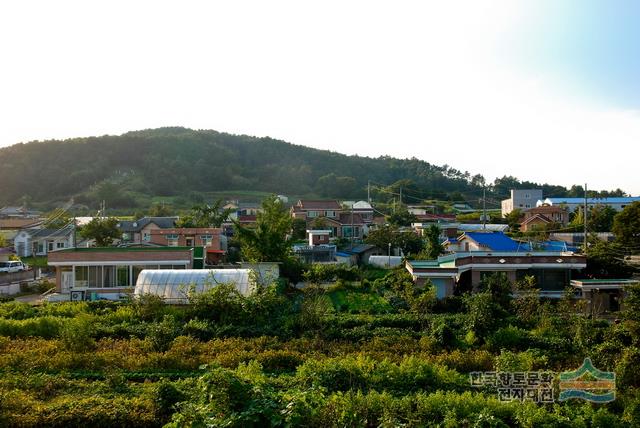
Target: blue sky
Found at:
543, 90
588, 48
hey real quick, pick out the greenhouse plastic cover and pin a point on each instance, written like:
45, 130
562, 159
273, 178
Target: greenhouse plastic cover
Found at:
174, 285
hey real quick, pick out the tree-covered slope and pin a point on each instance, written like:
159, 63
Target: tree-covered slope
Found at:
171, 161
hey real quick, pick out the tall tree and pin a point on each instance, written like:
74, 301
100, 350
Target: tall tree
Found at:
626, 226
513, 219
402, 218
433, 247
205, 215
606, 259
407, 241
160, 210
267, 241
103, 230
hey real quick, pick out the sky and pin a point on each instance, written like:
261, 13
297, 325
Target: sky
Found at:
544, 90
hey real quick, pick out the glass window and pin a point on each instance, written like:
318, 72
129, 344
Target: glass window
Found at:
122, 277
109, 276
313, 213
81, 276
95, 276
206, 240
60, 245
146, 236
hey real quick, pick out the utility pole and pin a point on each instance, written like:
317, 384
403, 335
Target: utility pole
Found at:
484, 209
352, 232
400, 197
584, 219
369, 191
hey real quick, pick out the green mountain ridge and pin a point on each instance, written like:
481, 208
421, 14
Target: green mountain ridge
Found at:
179, 161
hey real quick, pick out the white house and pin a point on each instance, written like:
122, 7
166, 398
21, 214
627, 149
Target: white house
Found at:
521, 199
42, 241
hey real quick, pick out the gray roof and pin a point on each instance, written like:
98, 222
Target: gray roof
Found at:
362, 248
138, 225
51, 233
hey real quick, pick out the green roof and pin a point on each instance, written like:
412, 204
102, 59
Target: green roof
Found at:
122, 249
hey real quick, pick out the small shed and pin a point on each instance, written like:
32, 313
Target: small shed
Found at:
173, 285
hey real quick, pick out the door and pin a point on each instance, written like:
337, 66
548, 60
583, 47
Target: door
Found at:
67, 281
189, 241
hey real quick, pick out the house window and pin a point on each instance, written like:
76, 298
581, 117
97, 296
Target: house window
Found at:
172, 240
527, 196
109, 276
40, 247
95, 276
206, 240
330, 213
50, 246
59, 245
81, 276
146, 236
313, 214
122, 276
347, 231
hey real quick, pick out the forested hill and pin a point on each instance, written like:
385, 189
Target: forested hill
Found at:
171, 161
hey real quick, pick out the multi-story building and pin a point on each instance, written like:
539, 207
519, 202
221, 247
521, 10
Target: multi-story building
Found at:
522, 199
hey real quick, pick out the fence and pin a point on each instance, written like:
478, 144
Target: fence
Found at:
8, 278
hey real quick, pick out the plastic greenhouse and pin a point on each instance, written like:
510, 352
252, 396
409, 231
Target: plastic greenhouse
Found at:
174, 285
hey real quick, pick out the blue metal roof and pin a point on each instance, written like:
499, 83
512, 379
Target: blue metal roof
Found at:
341, 254
549, 246
496, 241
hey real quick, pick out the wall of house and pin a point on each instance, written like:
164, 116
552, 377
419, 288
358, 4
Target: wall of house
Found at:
521, 199
476, 277
159, 236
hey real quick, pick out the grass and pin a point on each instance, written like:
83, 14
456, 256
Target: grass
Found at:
359, 302
38, 261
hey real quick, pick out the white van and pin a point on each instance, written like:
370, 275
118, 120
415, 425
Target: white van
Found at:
12, 267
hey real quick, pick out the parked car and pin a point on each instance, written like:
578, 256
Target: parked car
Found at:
12, 267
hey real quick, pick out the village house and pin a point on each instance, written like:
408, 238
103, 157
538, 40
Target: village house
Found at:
139, 231
464, 271
521, 199
544, 215
211, 239
363, 208
42, 241
110, 273
329, 215
19, 212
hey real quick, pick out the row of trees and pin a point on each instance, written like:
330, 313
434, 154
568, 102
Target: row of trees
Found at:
166, 161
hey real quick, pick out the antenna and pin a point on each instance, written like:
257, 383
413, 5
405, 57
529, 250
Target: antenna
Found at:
585, 218
484, 209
